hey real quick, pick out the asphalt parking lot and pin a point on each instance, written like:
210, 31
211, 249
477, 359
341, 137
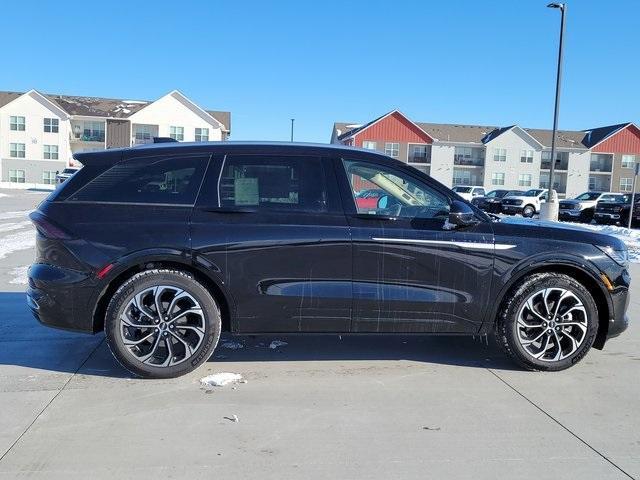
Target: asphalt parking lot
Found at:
319, 407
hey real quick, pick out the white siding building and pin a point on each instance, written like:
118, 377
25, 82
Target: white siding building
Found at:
39, 133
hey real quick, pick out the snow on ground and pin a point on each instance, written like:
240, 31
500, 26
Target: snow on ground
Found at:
2, 195
23, 240
17, 214
9, 227
220, 379
232, 345
19, 275
277, 343
630, 236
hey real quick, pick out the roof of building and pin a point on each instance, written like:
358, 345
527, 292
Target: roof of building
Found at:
564, 138
445, 132
596, 135
479, 134
104, 107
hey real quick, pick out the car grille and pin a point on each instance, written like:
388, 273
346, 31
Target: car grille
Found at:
509, 201
608, 208
565, 206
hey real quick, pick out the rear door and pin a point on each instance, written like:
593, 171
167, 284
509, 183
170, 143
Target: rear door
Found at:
411, 273
273, 229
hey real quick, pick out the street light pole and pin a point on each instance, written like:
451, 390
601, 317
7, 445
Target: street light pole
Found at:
292, 120
549, 210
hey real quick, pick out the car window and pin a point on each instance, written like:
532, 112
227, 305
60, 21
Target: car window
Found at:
401, 195
172, 180
480, 191
607, 198
287, 183
588, 196
461, 189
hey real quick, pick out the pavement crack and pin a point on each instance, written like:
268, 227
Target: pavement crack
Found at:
564, 427
51, 401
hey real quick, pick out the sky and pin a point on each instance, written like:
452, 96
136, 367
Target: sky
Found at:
490, 62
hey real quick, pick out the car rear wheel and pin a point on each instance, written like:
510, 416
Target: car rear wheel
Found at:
549, 323
162, 324
528, 211
586, 216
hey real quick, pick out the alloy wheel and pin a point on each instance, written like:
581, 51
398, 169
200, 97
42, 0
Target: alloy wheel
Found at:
552, 324
162, 326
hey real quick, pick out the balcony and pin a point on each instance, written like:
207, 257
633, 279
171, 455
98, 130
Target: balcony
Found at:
420, 154
559, 181
92, 132
468, 157
562, 161
601, 163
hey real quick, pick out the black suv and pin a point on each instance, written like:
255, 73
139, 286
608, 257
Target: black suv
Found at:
492, 201
165, 246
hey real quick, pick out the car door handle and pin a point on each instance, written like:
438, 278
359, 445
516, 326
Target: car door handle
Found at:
228, 209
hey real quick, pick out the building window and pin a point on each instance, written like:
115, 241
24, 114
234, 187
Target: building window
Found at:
177, 133
562, 160
16, 123
524, 180
626, 184
526, 156
51, 125
628, 161
142, 133
392, 149
369, 145
419, 154
461, 177
48, 177
50, 152
202, 134
16, 150
497, 178
16, 176
500, 154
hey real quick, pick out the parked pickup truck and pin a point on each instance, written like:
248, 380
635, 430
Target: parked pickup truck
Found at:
617, 210
581, 208
527, 204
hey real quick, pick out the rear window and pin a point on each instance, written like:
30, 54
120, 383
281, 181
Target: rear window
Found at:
461, 189
273, 182
165, 180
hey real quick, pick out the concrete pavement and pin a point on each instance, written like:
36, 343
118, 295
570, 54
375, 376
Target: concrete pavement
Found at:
320, 407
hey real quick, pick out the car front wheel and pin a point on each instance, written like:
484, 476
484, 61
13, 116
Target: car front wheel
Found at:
528, 211
549, 323
162, 323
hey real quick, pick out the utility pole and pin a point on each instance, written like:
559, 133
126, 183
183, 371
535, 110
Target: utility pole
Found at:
636, 170
292, 120
549, 210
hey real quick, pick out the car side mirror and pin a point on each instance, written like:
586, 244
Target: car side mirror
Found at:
461, 214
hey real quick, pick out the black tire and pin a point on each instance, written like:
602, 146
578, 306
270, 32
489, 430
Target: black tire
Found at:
528, 211
171, 278
586, 215
506, 329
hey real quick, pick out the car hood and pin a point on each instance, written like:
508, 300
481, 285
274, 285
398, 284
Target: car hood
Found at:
523, 227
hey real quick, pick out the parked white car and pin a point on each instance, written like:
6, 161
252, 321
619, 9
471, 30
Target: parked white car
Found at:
468, 192
527, 204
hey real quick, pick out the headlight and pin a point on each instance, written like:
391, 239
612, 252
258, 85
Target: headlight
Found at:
621, 257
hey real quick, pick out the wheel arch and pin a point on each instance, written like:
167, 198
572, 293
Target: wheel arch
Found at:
125, 268
574, 269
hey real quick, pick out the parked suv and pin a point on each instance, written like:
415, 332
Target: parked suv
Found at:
583, 206
617, 210
492, 201
165, 246
527, 204
468, 192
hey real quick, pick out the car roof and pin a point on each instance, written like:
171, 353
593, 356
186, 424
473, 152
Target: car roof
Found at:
167, 148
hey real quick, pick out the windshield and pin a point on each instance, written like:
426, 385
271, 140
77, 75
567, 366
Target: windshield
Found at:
588, 196
534, 192
496, 194
620, 199
462, 189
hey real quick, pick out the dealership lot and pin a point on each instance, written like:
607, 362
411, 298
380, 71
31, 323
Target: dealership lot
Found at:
318, 407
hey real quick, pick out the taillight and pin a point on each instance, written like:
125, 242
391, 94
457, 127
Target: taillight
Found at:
47, 228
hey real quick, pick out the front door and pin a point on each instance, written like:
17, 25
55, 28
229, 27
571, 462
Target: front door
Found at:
273, 228
410, 272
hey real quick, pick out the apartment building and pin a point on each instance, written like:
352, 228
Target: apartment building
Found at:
503, 157
39, 133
